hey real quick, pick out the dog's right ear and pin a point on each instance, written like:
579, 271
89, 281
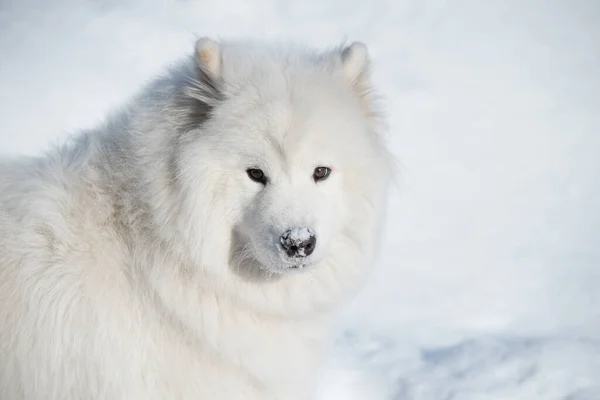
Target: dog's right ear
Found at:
203, 92
208, 57
206, 87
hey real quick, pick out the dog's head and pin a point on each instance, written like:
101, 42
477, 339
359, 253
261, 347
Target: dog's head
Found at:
286, 159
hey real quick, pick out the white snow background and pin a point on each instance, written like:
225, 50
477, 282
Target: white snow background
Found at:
488, 284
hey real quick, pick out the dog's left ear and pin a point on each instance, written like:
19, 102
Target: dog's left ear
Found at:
356, 65
355, 62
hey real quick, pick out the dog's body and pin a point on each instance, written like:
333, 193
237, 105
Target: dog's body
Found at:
195, 245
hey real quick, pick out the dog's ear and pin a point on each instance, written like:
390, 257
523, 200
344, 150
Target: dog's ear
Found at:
355, 62
356, 65
203, 91
208, 57
209, 73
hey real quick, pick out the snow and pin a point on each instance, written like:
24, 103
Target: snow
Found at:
487, 284
298, 235
297, 240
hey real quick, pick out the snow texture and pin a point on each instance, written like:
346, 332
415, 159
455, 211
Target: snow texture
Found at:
298, 235
487, 284
297, 241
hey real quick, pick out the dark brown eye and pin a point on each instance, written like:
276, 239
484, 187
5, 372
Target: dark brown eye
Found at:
257, 175
321, 173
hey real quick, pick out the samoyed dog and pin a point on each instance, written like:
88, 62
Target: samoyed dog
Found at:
197, 244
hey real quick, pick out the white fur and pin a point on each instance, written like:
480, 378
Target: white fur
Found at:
141, 262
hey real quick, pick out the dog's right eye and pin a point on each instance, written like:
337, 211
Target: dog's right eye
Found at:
257, 175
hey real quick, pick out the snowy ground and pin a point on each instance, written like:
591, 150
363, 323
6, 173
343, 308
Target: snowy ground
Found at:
488, 285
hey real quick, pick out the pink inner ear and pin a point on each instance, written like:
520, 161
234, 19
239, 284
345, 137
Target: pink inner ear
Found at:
208, 56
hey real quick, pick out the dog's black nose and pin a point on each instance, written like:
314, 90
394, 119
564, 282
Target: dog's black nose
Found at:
298, 242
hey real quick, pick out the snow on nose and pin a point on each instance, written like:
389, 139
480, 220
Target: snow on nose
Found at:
298, 242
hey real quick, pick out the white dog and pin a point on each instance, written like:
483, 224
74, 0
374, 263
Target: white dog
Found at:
195, 246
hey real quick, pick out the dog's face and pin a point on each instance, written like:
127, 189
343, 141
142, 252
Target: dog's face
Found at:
290, 160
293, 152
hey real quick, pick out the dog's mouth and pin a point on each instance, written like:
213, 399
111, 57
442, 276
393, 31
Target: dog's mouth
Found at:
269, 262
291, 268
299, 266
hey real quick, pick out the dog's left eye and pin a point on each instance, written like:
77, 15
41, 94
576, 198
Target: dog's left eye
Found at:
321, 173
